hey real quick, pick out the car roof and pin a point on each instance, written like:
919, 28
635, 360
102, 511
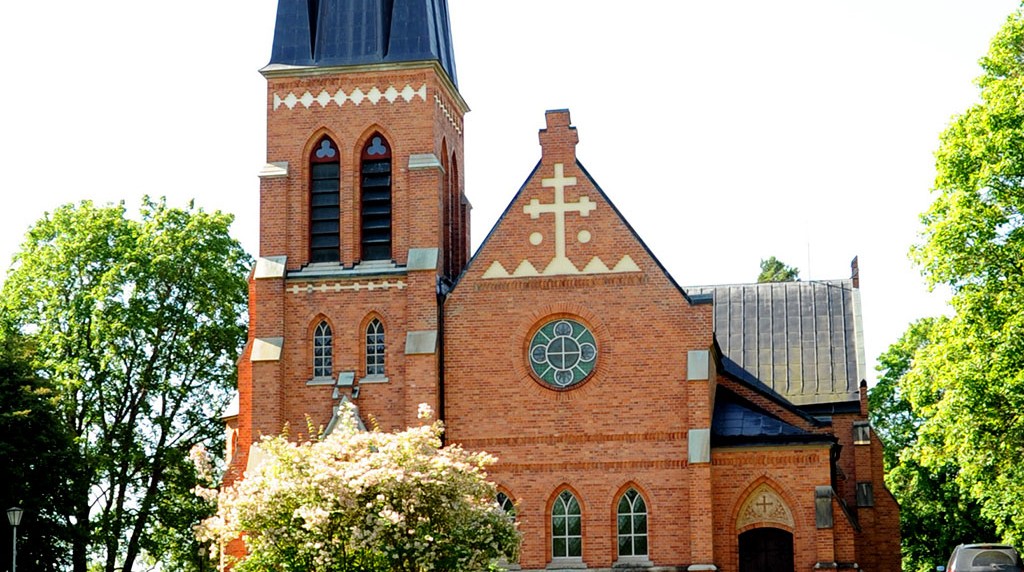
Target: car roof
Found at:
987, 546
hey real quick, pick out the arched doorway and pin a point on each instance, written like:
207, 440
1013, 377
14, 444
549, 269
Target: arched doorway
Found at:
766, 550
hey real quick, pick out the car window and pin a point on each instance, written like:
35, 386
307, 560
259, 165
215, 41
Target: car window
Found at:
991, 557
1001, 560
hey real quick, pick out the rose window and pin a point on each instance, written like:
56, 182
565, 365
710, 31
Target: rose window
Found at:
563, 353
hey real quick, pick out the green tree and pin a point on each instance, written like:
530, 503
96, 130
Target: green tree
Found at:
365, 502
39, 460
774, 270
935, 514
968, 381
137, 323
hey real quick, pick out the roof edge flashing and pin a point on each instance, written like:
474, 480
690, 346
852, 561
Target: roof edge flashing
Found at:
701, 299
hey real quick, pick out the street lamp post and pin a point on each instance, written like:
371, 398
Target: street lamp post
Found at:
14, 517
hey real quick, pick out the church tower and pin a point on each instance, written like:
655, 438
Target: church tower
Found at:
363, 221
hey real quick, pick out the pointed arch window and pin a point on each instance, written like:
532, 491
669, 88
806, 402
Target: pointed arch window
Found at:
375, 348
632, 517
323, 352
506, 504
566, 527
375, 199
458, 222
325, 202
447, 224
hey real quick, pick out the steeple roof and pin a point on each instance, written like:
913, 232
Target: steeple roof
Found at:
328, 33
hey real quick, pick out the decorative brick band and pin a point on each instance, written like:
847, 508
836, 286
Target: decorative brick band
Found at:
448, 114
589, 280
575, 438
766, 460
339, 287
356, 96
594, 465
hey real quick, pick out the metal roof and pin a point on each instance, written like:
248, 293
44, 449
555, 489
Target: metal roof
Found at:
737, 422
328, 33
801, 339
734, 420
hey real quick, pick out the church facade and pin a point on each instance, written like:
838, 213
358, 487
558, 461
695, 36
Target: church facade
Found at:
637, 423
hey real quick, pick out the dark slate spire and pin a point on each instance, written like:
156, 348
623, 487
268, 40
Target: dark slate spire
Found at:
327, 33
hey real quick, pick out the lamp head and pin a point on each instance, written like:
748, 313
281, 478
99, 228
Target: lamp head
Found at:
14, 515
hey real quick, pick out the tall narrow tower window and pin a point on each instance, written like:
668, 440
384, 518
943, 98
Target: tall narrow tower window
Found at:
375, 348
458, 216
323, 351
375, 205
324, 203
446, 217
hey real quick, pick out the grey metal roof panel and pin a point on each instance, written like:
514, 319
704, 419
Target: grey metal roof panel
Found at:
327, 33
734, 420
738, 422
798, 338
292, 34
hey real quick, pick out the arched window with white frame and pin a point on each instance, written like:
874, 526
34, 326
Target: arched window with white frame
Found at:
323, 350
375, 348
632, 524
566, 527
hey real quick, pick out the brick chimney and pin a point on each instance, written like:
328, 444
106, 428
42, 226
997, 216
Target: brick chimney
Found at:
558, 140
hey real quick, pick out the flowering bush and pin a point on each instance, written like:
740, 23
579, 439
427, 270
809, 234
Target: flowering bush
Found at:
364, 501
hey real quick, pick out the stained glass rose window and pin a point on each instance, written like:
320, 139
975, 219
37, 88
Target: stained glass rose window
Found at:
563, 353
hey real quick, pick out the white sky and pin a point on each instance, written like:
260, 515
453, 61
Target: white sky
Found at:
724, 131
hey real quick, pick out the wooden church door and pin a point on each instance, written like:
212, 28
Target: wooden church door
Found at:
766, 550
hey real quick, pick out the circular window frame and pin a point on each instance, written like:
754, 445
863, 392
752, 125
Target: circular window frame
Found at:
553, 321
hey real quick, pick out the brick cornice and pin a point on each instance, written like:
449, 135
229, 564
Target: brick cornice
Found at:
585, 281
575, 438
768, 457
591, 465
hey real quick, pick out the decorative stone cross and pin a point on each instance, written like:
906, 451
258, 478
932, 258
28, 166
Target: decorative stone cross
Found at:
765, 504
559, 208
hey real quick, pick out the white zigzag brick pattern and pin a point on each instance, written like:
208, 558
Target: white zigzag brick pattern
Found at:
337, 287
358, 96
448, 114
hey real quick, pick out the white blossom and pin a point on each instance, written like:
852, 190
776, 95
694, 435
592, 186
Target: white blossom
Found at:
424, 411
395, 501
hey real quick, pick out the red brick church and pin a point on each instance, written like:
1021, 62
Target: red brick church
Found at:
638, 423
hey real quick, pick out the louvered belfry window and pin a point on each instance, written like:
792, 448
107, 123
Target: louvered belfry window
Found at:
375, 199
325, 202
